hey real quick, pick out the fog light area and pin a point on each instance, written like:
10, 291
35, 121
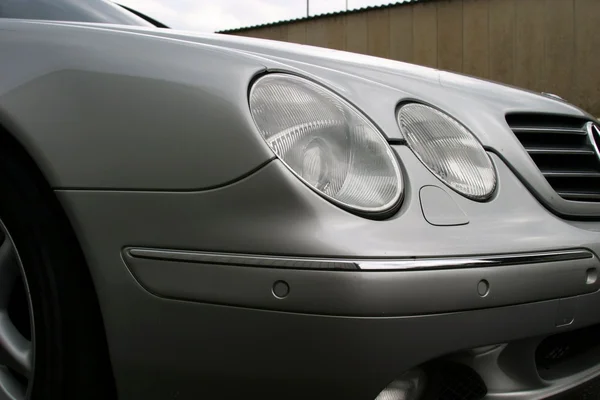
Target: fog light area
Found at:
409, 386
436, 380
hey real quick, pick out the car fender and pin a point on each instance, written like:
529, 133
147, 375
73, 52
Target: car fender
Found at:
106, 109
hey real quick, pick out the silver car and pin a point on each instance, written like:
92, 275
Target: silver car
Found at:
202, 216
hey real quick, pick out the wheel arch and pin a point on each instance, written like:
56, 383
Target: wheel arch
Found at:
11, 140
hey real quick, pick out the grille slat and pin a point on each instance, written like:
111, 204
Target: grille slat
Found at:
559, 130
580, 196
535, 150
564, 152
570, 174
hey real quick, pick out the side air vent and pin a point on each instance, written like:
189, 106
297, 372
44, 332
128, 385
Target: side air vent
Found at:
565, 151
568, 353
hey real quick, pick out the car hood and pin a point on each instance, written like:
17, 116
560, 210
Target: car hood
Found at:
377, 85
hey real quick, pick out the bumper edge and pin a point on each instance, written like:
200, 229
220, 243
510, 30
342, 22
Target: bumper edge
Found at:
434, 288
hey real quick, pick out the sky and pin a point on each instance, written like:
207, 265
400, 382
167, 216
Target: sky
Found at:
214, 15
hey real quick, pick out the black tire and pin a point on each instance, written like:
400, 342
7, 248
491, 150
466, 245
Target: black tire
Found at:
71, 357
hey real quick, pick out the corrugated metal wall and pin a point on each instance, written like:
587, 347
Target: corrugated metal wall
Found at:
543, 45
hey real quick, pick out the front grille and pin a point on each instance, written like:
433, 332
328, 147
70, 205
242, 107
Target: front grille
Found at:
563, 151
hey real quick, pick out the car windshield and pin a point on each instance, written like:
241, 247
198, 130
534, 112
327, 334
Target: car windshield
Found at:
100, 11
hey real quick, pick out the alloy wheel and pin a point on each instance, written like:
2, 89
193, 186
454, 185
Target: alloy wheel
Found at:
17, 339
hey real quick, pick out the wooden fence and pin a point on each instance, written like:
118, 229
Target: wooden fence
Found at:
543, 45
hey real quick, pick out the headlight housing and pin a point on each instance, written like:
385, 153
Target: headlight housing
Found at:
327, 143
448, 150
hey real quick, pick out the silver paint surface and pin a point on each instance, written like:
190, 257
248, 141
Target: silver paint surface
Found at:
147, 139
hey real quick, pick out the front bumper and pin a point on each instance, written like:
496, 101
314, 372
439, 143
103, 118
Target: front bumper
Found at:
186, 350
183, 326
398, 288
322, 333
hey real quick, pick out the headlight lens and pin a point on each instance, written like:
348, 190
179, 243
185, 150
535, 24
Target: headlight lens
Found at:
448, 150
326, 142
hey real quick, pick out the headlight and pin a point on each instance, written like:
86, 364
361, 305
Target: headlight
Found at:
326, 142
448, 150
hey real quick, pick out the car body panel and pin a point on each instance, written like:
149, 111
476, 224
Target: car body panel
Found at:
255, 216
351, 74
146, 137
95, 11
128, 111
199, 347
269, 213
158, 71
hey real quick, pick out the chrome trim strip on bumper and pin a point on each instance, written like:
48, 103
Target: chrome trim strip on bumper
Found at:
412, 264
401, 287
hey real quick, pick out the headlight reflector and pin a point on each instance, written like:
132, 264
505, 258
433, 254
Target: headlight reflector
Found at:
448, 150
326, 142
